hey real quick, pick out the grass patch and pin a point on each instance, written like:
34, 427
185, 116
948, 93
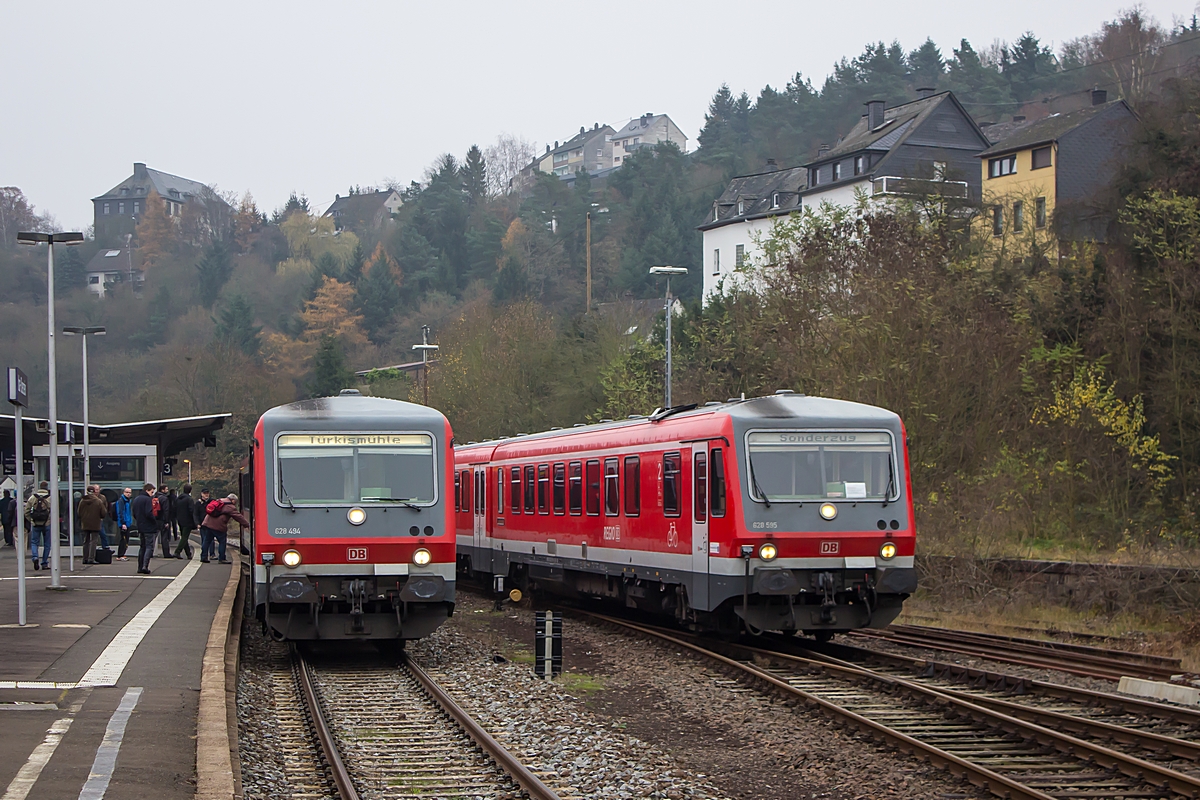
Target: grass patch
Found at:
580, 682
520, 656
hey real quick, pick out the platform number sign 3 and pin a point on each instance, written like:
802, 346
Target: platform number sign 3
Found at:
829, 548
356, 554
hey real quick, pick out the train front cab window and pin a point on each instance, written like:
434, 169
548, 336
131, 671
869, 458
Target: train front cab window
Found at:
560, 488
612, 487
633, 494
575, 487
324, 469
593, 488
672, 473
716, 494
530, 489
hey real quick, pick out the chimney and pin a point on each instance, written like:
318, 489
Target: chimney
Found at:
595, 126
1099, 97
1019, 118
822, 150
771, 166
925, 91
556, 144
139, 170
874, 113
548, 148
582, 129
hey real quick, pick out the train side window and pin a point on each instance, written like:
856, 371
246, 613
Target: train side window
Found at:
612, 488
466, 491
716, 494
575, 487
514, 495
480, 494
633, 494
543, 488
499, 490
700, 473
672, 467
593, 488
530, 489
560, 488
458, 491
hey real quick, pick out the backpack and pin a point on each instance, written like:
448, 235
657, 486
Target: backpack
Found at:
40, 514
157, 506
214, 507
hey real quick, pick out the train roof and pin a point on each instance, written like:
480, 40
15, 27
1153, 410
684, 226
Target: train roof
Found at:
812, 411
353, 409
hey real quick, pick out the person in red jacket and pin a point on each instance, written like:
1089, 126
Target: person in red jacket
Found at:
216, 527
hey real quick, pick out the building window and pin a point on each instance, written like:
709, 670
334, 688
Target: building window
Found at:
612, 488
739, 256
997, 220
137, 206
741, 207
93, 278
716, 260
106, 209
672, 469
599, 152
637, 140
543, 485
775, 200
530, 489
858, 165
633, 494
815, 177
121, 207
1018, 216
560, 488
837, 171
575, 487
1041, 158
1039, 212
1006, 165
617, 160
593, 488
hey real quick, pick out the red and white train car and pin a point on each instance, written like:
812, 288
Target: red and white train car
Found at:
793, 513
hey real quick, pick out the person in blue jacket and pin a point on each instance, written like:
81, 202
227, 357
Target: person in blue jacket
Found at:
124, 522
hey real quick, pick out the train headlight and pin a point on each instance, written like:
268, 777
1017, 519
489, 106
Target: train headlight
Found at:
828, 510
888, 550
291, 558
356, 516
421, 557
768, 552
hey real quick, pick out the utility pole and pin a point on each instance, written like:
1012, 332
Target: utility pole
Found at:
588, 306
668, 271
425, 347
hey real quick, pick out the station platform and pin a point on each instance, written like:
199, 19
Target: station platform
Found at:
100, 691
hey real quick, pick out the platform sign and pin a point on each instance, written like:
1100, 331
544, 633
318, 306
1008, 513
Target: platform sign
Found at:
18, 388
10, 464
548, 645
18, 395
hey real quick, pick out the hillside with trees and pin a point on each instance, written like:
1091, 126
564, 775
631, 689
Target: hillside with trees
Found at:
1050, 400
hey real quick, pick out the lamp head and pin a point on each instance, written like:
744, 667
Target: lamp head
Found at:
668, 271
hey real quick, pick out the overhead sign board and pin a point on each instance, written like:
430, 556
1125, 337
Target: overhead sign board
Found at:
18, 387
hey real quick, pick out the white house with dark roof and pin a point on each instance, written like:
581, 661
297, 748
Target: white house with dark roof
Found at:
119, 210
112, 266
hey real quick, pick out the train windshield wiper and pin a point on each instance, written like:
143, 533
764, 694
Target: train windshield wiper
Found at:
283, 488
891, 483
407, 502
754, 482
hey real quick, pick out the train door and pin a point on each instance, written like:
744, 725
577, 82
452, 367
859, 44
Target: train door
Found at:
479, 516
699, 514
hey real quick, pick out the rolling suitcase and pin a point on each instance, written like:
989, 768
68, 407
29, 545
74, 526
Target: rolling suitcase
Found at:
104, 556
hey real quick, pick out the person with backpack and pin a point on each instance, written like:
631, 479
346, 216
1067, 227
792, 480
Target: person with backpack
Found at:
162, 513
37, 512
216, 527
124, 523
185, 518
142, 508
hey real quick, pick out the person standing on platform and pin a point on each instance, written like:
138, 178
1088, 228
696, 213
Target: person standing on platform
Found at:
91, 512
185, 518
6, 517
37, 512
124, 523
162, 513
172, 500
147, 526
216, 527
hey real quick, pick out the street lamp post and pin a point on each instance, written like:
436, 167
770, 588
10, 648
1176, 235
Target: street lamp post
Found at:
51, 239
189, 463
668, 271
425, 347
83, 333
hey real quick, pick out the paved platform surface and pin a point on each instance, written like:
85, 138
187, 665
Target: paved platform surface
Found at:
99, 700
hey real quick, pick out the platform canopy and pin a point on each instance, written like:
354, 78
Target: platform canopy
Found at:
170, 436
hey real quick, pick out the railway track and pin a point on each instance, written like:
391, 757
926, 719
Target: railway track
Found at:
1076, 659
987, 743
389, 732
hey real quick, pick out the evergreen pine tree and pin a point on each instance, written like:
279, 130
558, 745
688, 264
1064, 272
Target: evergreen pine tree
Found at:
474, 174
377, 296
354, 267
215, 268
68, 269
418, 260
235, 324
330, 373
926, 65
154, 332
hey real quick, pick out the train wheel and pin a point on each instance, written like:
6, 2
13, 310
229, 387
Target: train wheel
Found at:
823, 636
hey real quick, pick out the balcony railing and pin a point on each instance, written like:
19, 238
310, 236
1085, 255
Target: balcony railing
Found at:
918, 187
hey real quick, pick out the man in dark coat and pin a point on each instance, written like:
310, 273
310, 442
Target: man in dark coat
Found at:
147, 526
164, 519
185, 518
91, 513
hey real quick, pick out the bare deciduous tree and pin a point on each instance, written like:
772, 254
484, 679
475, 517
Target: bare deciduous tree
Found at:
505, 159
17, 214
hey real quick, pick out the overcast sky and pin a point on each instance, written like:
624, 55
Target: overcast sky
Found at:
316, 96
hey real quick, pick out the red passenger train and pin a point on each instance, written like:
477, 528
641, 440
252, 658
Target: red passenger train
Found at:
791, 513
353, 534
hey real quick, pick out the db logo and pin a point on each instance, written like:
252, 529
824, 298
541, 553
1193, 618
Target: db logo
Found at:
829, 548
356, 554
